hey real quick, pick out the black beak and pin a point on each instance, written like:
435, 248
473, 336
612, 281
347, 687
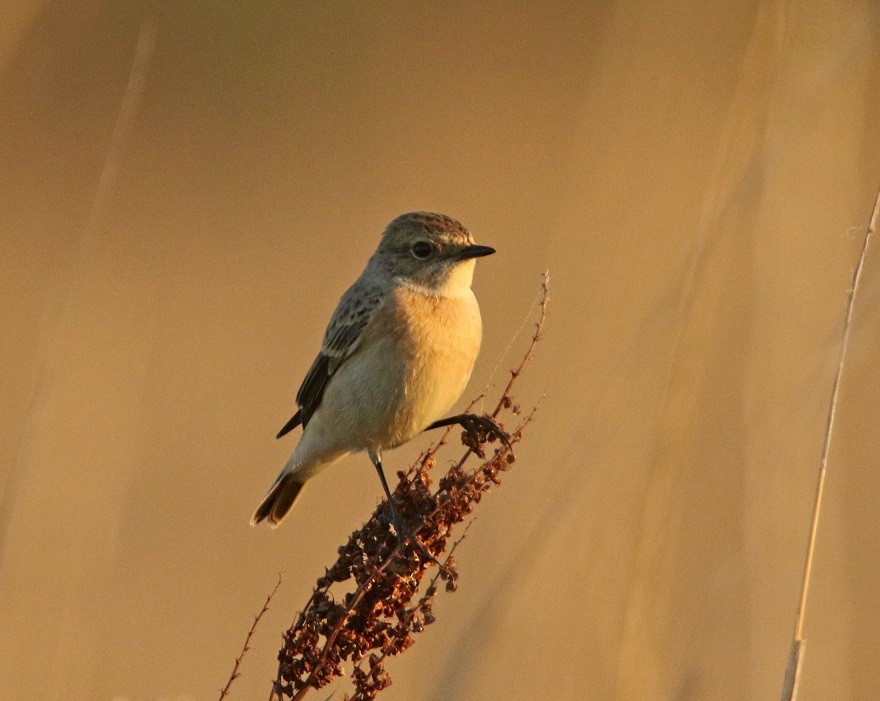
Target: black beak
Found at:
475, 252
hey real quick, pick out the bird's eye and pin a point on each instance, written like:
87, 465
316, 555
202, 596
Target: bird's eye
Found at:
422, 249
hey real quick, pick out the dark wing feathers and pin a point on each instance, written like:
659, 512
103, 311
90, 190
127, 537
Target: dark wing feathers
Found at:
352, 315
295, 421
337, 347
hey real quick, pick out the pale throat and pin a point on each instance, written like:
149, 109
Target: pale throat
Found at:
455, 283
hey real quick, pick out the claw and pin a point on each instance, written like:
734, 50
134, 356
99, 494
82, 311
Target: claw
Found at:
490, 427
471, 423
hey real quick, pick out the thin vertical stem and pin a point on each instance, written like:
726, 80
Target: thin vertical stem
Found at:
224, 692
792, 674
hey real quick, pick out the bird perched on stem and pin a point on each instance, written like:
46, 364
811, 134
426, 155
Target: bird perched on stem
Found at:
397, 354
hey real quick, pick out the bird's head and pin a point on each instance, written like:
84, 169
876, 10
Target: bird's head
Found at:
430, 250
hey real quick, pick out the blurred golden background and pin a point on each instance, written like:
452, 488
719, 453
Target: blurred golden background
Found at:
697, 177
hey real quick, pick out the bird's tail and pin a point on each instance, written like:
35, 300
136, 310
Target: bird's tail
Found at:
278, 501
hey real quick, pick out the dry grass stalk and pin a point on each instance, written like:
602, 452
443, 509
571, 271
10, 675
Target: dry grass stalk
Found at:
224, 692
798, 644
367, 606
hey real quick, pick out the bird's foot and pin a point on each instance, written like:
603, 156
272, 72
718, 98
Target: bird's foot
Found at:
479, 428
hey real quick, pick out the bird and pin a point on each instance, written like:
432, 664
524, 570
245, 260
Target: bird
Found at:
396, 355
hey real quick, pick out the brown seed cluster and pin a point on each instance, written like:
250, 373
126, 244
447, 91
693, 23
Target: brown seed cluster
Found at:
368, 606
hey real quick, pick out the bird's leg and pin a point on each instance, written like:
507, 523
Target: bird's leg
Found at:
376, 459
400, 527
471, 423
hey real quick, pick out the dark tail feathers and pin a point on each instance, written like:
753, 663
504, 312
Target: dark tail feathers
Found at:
278, 501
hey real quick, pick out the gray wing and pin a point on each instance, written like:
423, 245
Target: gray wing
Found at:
341, 339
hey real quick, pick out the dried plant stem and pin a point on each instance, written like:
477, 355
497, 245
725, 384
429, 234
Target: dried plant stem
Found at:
224, 692
365, 587
795, 659
367, 607
432, 585
530, 351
